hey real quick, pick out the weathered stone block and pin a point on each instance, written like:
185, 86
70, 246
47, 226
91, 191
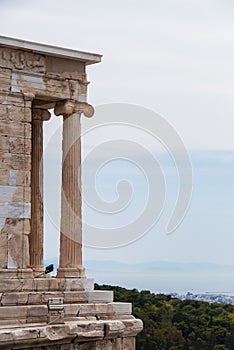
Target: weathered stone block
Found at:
46, 86
114, 329
19, 298
22, 194
6, 336
15, 129
90, 330
15, 274
19, 114
17, 245
59, 88
41, 284
9, 285
34, 298
23, 178
77, 284
27, 82
19, 145
63, 68
81, 335
14, 322
37, 319
95, 309
40, 310
132, 327
14, 284
4, 210
87, 310
72, 309
124, 317
28, 100
57, 332
25, 334
100, 296
5, 160
62, 283
19, 210
9, 312
106, 317
15, 161
12, 99
53, 284
4, 143
26, 284
12, 177
3, 109
17, 226
75, 297
121, 308
104, 308
7, 193
4, 177
48, 295
15, 249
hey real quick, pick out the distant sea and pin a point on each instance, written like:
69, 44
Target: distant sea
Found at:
163, 277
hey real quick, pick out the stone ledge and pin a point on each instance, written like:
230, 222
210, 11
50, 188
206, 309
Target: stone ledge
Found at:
121, 308
37, 298
11, 275
98, 309
88, 330
15, 298
10, 283
100, 296
22, 314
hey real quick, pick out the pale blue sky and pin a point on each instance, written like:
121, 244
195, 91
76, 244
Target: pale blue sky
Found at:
174, 57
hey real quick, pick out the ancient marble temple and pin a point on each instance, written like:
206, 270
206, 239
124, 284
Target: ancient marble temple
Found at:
38, 311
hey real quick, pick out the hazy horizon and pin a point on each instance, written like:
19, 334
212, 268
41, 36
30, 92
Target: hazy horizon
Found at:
161, 276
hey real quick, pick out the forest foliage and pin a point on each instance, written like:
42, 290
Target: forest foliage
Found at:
172, 324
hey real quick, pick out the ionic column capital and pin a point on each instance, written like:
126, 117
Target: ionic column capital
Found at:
69, 107
40, 114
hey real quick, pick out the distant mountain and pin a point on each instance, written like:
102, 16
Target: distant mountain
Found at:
160, 276
109, 265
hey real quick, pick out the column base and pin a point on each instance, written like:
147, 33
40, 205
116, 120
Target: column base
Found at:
71, 272
16, 273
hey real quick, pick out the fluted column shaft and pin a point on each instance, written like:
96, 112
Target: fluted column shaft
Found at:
70, 263
36, 235
70, 235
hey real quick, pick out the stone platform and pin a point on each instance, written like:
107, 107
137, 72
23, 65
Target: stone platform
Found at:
63, 313
81, 335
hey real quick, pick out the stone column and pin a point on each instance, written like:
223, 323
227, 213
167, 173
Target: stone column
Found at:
70, 263
36, 234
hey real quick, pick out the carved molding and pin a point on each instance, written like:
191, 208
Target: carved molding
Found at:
40, 114
21, 60
69, 107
